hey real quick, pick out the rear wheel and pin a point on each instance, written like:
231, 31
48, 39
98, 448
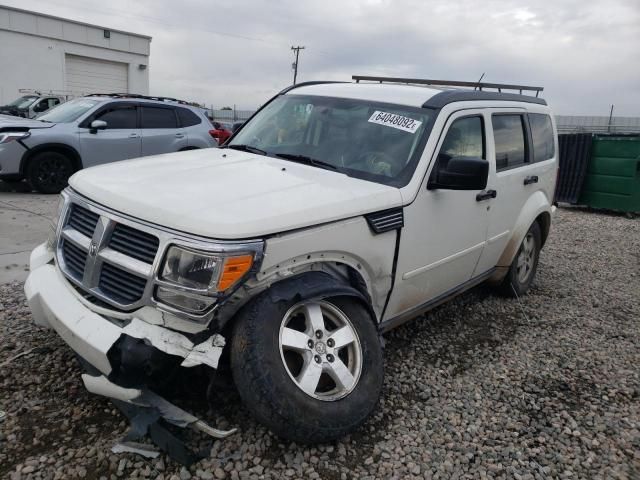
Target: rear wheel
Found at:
49, 172
524, 266
311, 371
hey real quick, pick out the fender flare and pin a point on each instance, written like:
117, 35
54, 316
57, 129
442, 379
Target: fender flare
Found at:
536, 205
312, 285
56, 147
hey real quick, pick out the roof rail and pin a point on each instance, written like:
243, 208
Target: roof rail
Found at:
449, 83
136, 95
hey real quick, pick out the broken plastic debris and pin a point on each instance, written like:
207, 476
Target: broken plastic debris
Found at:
135, 447
3, 415
173, 343
146, 398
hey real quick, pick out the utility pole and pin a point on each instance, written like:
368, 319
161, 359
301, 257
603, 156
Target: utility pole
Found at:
295, 64
610, 118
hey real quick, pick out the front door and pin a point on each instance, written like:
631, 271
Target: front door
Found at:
445, 230
119, 141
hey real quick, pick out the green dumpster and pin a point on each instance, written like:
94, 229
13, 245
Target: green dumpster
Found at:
613, 174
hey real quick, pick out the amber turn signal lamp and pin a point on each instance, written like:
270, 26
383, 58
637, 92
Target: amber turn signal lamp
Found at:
233, 270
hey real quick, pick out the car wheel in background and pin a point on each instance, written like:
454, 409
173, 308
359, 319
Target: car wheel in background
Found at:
523, 268
309, 370
49, 172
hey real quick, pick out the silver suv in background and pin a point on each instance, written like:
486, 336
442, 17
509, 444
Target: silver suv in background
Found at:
93, 130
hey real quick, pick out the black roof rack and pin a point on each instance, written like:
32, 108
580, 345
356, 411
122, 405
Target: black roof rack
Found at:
450, 83
138, 96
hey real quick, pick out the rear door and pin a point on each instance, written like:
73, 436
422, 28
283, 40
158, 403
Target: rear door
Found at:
119, 141
520, 171
160, 131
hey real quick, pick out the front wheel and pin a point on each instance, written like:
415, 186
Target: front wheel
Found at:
49, 172
524, 266
311, 371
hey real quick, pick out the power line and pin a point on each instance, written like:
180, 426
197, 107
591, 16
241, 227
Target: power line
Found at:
295, 64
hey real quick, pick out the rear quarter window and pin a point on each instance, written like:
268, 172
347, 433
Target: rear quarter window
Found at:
187, 117
542, 134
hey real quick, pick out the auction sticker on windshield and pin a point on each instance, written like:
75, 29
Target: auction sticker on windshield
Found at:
395, 121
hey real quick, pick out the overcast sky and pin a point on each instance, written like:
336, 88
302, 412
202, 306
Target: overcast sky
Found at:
586, 53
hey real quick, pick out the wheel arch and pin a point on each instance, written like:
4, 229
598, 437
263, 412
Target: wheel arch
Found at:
536, 209
309, 283
62, 148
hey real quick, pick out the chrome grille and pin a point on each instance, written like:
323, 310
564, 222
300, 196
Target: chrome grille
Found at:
122, 286
134, 243
83, 220
112, 260
75, 259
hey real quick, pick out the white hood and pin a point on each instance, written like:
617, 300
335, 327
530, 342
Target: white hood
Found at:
228, 194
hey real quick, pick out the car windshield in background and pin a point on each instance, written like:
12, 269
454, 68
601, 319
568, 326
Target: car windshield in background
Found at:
373, 141
23, 102
68, 112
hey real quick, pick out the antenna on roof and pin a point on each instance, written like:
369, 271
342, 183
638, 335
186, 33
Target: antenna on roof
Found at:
479, 80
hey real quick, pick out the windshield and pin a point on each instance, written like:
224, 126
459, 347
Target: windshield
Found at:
68, 112
23, 102
368, 140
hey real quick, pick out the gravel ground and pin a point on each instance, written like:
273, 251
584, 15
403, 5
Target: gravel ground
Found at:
483, 387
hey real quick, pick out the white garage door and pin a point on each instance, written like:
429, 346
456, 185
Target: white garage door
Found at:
90, 75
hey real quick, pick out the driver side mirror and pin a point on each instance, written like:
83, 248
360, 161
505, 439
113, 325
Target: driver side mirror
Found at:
459, 173
97, 125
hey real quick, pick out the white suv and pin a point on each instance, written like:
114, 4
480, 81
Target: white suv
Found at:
339, 211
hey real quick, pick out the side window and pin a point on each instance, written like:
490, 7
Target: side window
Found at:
465, 138
155, 117
509, 137
187, 117
542, 134
41, 106
119, 117
53, 102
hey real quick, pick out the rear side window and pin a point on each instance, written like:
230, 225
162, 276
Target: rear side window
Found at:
119, 117
509, 137
187, 117
542, 134
153, 117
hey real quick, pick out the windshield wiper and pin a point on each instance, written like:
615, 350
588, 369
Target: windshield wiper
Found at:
246, 148
307, 161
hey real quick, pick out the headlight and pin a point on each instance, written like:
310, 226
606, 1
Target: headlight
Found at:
53, 225
203, 272
11, 136
190, 279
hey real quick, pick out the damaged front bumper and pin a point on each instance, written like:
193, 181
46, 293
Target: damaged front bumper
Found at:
122, 352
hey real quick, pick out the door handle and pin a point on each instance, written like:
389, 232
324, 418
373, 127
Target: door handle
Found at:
531, 179
133, 135
179, 135
486, 195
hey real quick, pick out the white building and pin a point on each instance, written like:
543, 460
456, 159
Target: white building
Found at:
57, 55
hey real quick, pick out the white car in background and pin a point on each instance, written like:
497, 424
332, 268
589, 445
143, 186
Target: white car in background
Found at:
337, 212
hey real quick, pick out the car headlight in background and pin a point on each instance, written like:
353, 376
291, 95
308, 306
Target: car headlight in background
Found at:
198, 276
53, 224
11, 136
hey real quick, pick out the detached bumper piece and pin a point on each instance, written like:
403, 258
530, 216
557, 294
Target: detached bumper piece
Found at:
147, 412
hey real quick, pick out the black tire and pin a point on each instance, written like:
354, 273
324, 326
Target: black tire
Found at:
49, 172
271, 395
514, 284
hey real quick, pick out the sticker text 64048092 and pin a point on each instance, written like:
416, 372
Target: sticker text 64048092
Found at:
396, 121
